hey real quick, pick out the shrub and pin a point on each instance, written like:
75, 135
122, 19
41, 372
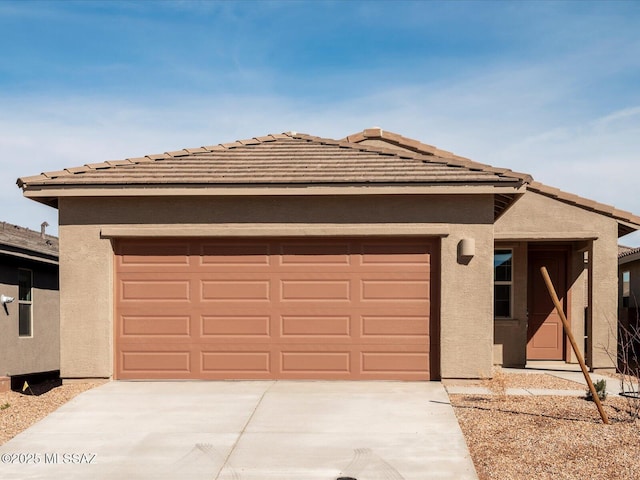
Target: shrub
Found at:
601, 390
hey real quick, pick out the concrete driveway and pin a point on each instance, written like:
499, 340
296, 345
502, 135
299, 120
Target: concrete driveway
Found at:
259, 430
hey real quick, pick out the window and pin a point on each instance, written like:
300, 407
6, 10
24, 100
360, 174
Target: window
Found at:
502, 283
626, 288
25, 302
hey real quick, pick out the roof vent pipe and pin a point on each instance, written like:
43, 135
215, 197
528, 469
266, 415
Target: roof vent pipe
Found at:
43, 228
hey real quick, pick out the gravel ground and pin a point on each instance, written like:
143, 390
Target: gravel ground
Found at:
502, 380
18, 411
515, 437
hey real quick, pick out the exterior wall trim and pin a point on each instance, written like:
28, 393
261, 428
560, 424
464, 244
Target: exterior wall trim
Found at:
275, 230
36, 192
551, 237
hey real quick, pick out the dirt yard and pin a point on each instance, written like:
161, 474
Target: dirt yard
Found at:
516, 437
18, 411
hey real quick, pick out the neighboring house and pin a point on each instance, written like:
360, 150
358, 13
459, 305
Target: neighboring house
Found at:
30, 323
293, 256
629, 303
629, 277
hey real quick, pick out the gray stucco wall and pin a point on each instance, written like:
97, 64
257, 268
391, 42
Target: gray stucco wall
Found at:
40, 351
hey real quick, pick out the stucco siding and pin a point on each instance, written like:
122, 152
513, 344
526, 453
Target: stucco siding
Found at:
540, 217
604, 311
466, 309
467, 305
86, 303
40, 351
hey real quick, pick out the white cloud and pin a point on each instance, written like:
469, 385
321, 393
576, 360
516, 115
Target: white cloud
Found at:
614, 117
486, 118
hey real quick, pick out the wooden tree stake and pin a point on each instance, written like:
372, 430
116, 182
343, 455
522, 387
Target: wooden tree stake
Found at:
565, 323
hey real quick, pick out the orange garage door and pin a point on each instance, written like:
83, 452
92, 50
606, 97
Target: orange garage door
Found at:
265, 309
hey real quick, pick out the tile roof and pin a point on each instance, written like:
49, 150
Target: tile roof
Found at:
370, 157
18, 239
622, 249
397, 140
429, 150
288, 158
627, 251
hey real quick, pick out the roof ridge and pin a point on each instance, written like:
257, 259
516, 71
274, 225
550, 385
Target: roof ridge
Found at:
449, 160
432, 151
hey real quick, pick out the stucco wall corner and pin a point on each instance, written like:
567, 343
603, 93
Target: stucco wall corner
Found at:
467, 305
604, 276
85, 302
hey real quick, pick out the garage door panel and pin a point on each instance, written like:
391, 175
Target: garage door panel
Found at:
381, 254
300, 326
235, 326
152, 290
396, 290
156, 361
394, 362
314, 254
395, 326
155, 325
231, 363
139, 254
329, 290
235, 290
315, 363
291, 309
238, 255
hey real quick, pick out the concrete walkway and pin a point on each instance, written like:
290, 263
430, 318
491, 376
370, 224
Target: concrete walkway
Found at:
569, 372
259, 430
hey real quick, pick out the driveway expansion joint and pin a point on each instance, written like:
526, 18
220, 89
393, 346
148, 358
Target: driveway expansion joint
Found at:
244, 428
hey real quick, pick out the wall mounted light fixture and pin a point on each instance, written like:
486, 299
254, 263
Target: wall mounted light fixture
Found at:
466, 250
467, 247
4, 299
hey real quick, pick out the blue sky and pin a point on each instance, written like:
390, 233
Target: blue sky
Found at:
548, 88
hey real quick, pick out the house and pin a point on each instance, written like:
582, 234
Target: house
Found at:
29, 303
628, 301
629, 277
296, 257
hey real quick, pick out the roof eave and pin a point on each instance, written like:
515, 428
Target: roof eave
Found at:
632, 257
49, 194
29, 254
627, 222
625, 228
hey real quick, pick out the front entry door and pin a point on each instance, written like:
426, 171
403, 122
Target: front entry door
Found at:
545, 335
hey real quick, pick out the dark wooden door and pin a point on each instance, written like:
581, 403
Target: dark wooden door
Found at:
545, 335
